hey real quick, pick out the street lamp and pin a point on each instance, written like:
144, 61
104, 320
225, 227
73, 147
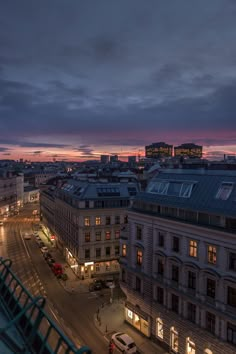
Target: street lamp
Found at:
111, 287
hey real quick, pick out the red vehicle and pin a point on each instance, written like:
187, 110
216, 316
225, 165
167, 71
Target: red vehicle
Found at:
57, 269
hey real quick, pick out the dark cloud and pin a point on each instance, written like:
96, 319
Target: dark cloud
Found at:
2, 149
117, 73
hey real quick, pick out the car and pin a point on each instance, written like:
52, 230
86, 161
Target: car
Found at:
44, 249
41, 244
108, 283
47, 255
36, 233
96, 285
27, 236
50, 261
1, 223
124, 342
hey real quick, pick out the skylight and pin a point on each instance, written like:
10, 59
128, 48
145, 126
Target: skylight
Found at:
224, 190
172, 188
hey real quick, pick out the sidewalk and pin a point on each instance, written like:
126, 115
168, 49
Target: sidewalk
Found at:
110, 319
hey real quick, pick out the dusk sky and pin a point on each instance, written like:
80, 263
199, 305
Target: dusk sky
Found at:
81, 78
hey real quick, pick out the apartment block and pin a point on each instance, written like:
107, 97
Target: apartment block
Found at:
178, 261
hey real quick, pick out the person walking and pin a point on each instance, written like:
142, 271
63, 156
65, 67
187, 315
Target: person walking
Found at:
111, 347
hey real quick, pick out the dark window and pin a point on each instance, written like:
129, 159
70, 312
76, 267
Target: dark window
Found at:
138, 284
86, 203
123, 275
175, 303
98, 235
117, 250
126, 219
117, 220
231, 333
108, 235
108, 251
161, 240
87, 236
117, 234
87, 253
175, 244
98, 252
175, 273
192, 280
232, 261
211, 288
231, 296
160, 266
191, 312
160, 295
210, 322
139, 233
108, 220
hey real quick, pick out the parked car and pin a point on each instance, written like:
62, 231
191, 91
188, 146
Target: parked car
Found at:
108, 283
41, 244
50, 261
1, 223
96, 285
44, 249
124, 342
47, 255
27, 236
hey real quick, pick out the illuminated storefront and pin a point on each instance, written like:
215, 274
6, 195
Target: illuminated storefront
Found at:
137, 319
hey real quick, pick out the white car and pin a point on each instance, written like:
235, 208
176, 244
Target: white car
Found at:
44, 249
1, 223
27, 236
124, 342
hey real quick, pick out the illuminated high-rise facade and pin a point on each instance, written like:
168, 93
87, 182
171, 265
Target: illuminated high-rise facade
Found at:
188, 150
158, 150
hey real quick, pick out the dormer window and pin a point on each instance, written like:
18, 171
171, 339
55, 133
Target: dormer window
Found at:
225, 190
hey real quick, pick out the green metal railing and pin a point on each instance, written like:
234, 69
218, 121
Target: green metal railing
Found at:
39, 334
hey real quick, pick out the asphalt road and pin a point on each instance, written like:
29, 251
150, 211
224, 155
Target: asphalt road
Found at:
73, 312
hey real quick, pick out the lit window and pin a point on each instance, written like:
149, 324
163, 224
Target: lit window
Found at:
130, 314
86, 221
107, 266
98, 220
174, 341
193, 248
191, 348
97, 267
108, 235
124, 250
139, 257
159, 328
225, 190
211, 254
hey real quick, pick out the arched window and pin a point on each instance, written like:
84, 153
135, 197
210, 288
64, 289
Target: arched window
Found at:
190, 347
159, 328
174, 340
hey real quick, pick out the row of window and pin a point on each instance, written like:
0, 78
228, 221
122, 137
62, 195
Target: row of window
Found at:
98, 235
107, 221
98, 252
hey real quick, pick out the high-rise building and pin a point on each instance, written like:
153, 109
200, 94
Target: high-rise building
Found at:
114, 158
131, 160
188, 150
158, 150
104, 159
178, 261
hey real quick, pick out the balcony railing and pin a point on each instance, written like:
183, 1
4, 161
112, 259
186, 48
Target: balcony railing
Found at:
40, 335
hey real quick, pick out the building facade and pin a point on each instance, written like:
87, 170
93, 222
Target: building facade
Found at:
86, 220
188, 150
158, 150
11, 193
178, 262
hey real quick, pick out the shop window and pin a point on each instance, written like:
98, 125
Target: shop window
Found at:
108, 266
137, 321
98, 220
139, 257
192, 248
159, 328
98, 235
97, 267
124, 250
211, 254
108, 235
174, 341
87, 236
87, 221
190, 347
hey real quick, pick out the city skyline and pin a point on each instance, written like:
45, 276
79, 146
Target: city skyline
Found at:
78, 80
